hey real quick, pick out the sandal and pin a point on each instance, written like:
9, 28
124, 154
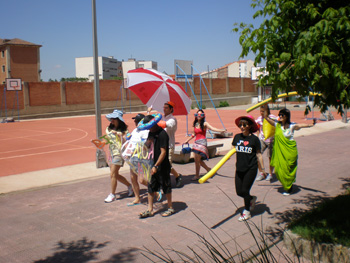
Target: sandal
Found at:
133, 203
159, 196
146, 214
169, 212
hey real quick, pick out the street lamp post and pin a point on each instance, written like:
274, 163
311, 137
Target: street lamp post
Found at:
100, 160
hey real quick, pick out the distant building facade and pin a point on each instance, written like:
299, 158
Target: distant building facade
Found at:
108, 68
19, 59
237, 69
134, 64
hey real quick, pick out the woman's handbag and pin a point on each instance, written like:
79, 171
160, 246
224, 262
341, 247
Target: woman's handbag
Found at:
187, 149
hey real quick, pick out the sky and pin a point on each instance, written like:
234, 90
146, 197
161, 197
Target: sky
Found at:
157, 30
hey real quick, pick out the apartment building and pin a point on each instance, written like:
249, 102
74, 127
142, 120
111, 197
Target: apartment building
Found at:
132, 63
108, 68
19, 59
237, 69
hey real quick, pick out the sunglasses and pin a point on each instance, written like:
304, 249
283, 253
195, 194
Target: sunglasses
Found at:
281, 115
199, 115
243, 124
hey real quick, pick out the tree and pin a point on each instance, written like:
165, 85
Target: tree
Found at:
116, 78
74, 79
305, 45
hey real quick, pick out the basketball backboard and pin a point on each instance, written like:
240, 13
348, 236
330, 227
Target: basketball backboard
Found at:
14, 84
183, 69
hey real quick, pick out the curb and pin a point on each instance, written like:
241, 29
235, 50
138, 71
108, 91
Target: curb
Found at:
315, 251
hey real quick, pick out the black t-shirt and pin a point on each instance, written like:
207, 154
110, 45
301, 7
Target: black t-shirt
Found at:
160, 139
246, 148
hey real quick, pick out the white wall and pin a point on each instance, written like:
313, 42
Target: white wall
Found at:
128, 65
107, 67
133, 64
240, 69
233, 70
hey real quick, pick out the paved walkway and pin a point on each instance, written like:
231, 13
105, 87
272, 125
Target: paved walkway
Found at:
46, 220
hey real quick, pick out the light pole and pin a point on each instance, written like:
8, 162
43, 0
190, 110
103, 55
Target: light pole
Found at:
100, 160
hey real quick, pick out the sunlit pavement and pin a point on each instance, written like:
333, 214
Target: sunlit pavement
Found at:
70, 221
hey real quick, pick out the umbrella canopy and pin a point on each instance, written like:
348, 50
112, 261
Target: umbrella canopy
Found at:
155, 88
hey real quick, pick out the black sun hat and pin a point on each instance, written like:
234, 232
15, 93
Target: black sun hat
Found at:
138, 117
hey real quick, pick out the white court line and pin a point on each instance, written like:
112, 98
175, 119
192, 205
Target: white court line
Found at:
33, 154
35, 135
46, 146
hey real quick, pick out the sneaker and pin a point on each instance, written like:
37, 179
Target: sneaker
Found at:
245, 216
260, 177
110, 198
289, 192
268, 177
130, 191
178, 181
252, 203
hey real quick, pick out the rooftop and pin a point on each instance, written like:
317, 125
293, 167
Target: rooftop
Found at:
16, 41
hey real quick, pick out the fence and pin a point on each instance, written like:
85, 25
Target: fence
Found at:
50, 99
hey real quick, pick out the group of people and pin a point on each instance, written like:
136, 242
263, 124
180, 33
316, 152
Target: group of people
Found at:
159, 141
282, 153
149, 153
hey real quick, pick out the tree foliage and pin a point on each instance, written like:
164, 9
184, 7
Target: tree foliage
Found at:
74, 79
116, 78
305, 45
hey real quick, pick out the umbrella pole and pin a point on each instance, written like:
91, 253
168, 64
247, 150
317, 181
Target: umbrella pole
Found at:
187, 114
157, 95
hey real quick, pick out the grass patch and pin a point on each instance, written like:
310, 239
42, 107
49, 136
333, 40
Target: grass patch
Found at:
328, 223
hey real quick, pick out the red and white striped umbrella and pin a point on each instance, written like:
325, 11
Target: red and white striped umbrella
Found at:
155, 88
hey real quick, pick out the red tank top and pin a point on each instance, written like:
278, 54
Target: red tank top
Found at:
200, 134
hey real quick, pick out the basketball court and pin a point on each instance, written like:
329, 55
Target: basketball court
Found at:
33, 145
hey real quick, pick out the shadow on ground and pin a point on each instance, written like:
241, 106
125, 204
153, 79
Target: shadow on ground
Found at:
85, 250
284, 218
82, 250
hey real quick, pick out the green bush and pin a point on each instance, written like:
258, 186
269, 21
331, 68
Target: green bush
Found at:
223, 104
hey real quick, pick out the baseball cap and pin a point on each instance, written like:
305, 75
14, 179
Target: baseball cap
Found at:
172, 104
138, 117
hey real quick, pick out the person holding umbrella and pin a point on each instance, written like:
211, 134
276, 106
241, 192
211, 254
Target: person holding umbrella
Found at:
169, 124
154, 88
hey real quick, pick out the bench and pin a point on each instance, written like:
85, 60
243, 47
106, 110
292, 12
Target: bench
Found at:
215, 135
179, 157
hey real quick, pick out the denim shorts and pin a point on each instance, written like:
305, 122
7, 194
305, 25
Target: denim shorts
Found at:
117, 160
268, 146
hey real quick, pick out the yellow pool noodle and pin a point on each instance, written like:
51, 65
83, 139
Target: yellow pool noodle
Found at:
279, 96
217, 166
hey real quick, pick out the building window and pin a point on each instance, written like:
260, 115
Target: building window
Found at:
2, 53
3, 68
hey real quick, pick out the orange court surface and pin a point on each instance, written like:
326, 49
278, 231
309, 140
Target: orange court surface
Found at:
38, 144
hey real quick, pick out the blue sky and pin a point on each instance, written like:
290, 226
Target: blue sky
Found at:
157, 30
